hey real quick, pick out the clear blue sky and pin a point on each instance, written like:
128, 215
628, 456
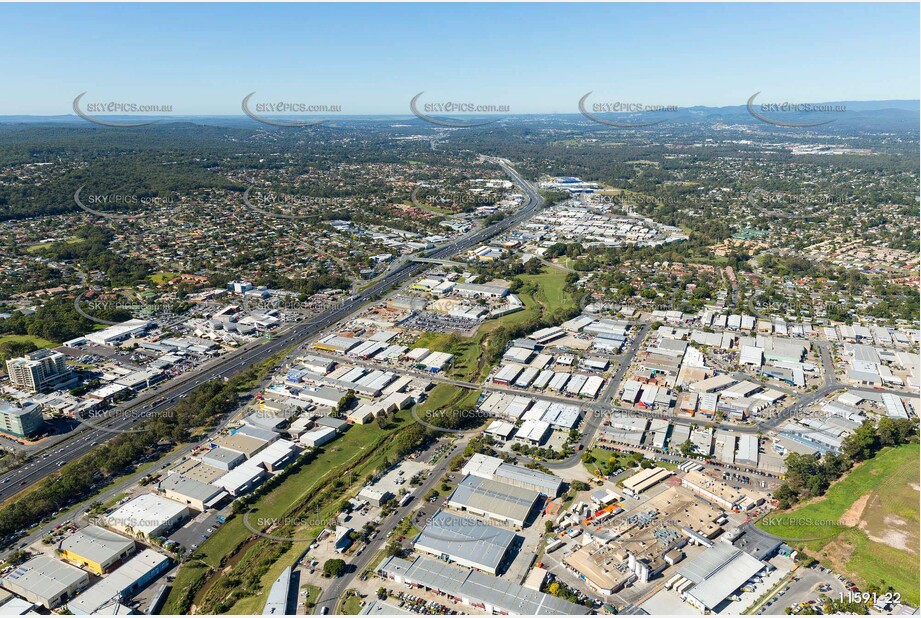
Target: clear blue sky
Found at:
372, 58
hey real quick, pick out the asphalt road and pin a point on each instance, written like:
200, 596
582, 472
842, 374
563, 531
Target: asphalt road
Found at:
334, 591
595, 412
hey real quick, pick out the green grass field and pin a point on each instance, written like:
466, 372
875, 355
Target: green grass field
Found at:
551, 293
44, 245
351, 605
312, 596
163, 277
866, 526
38, 341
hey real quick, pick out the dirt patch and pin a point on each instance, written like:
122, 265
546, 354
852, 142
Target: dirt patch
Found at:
837, 554
893, 537
851, 517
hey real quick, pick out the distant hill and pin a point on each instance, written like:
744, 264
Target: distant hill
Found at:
873, 115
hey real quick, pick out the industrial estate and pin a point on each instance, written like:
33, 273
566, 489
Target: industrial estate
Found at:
541, 365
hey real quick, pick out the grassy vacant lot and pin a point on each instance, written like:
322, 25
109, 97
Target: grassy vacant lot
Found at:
38, 341
351, 605
163, 277
866, 526
44, 245
312, 596
231, 552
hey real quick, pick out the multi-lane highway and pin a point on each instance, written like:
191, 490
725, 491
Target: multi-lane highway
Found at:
124, 418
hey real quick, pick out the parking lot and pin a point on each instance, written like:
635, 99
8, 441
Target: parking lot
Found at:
197, 529
439, 323
804, 588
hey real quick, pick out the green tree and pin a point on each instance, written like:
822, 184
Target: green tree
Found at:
334, 567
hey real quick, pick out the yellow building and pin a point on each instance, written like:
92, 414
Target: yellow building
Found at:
96, 549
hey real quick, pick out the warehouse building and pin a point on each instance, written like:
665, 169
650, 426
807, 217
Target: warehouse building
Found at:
140, 380
95, 549
510, 505
335, 343
504, 405
895, 408
260, 433
466, 541
45, 581
500, 430
534, 432
373, 496
11, 605
241, 480
223, 458
193, 493
559, 415
278, 601
437, 361
119, 332
546, 335
713, 385
241, 443
107, 596
481, 290
507, 374
748, 450
148, 515
716, 491
627, 430
687, 403
485, 592
558, 382
631, 392
493, 468
777, 348
518, 354
266, 418
277, 456
645, 479
716, 574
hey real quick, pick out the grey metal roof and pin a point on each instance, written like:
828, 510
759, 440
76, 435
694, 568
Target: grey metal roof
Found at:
718, 572
499, 499
260, 433
190, 488
479, 587
44, 577
465, 539
277, 602
96, 544
548, 483
517, 599
329, 421
223, 455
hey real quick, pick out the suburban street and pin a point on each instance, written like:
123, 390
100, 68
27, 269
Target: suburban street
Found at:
333, 592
